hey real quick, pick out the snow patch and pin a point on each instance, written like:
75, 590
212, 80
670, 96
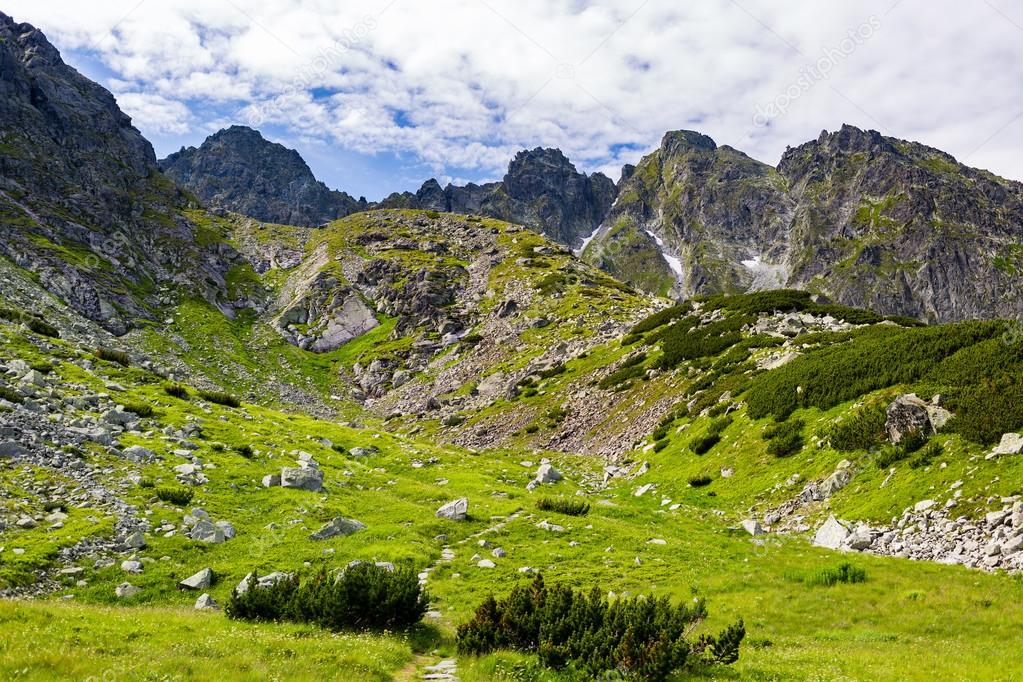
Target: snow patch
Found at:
673, 262
586, 240
765, 275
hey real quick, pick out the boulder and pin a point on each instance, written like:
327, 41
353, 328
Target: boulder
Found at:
136, 540
200, 581
131, 566
753, 527
456, 510
310, 479
125, 590
205, 603
271, 480
361, 452
831, 534
207, 531
907, 414
1011, 444
338, 526
835, 482
261, 581
137, 453
11, 449
486, 563
547, 474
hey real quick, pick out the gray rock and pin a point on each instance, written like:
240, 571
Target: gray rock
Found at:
456, 510
137, 453
12, 449
547, 474
199, 581
831, 534
125, 590
271, 480
136, 540
907, 414
206, 531
302, 478
1011, 444
131, 566
752, 526
205, 603
338, 526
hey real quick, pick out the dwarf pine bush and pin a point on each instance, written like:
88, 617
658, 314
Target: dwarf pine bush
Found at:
641, 638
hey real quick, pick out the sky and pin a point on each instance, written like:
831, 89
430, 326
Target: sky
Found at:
380, 95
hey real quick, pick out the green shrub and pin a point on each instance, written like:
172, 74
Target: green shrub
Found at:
10, 395
928, 454
146, 482
532, 428
178, 495
561, 505
700, 481
552, 371
684, 341
786, 438
42, 328
702, 444
363, 596
139, 409
555, 415
620, 376
660, 318
472, 340
843, 573
115, 356
640, 638
219, 398
860, 430
630, 339
31, 320
432, 215
661, 444
176, 391
42, 367
246, 451
887, 356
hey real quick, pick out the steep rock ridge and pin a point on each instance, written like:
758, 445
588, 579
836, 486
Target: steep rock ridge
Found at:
903, 228
541, 190
82, 203
864, 219
237, 169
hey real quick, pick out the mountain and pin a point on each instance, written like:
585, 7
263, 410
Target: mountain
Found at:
83, 204
238, 170
541, 190
863, 219
405, 411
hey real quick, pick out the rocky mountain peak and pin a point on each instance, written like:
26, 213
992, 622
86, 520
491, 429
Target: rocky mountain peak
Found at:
240, 170
676, 142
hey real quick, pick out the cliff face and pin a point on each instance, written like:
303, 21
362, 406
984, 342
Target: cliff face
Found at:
83, 205
861, 218
541, 190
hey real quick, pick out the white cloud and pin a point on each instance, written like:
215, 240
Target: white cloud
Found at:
155, 113
464, 83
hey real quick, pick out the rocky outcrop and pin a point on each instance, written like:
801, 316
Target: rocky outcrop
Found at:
867, 220
909, 414
541, 190
83, 204
929, 532
238, 170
